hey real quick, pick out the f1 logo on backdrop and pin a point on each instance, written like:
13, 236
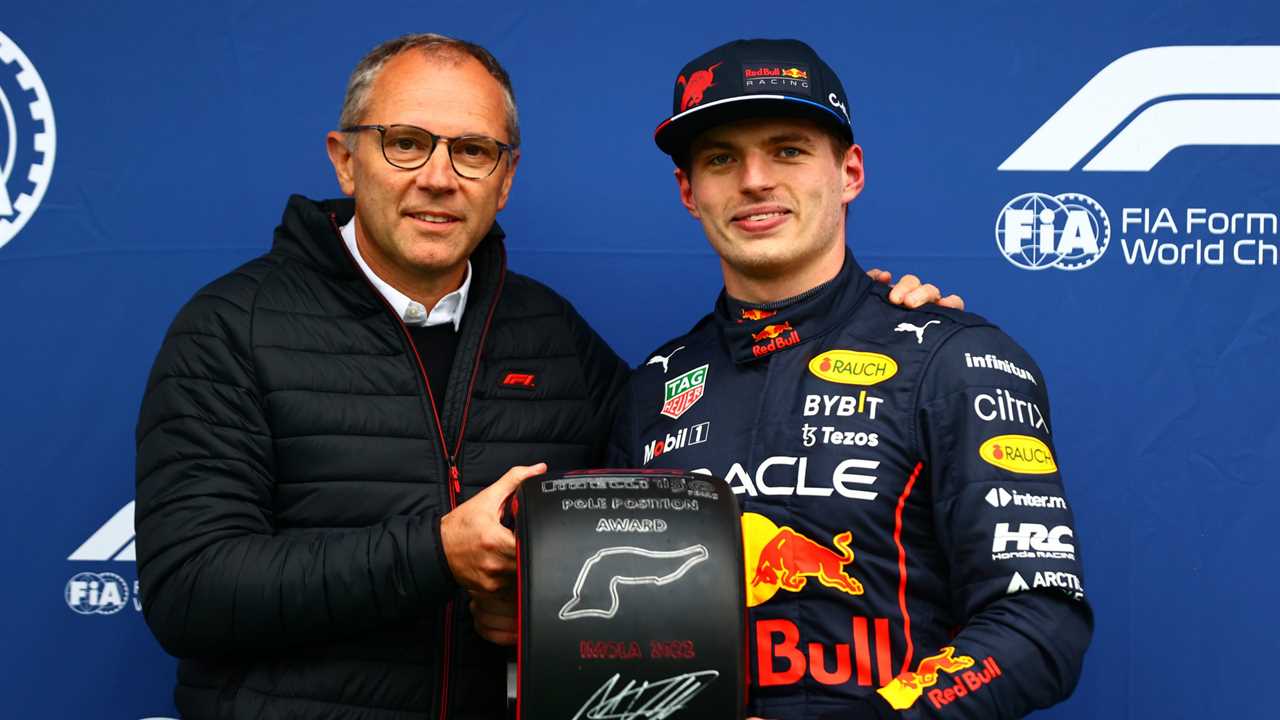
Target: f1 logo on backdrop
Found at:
1129, 117
26, 151
1156, 81
112, 541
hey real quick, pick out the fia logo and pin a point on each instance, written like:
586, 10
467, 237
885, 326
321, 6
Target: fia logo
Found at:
90, 593
1036, 230
27, 139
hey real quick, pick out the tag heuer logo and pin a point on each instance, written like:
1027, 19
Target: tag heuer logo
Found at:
680, 393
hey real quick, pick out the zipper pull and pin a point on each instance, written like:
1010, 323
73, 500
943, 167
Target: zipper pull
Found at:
454, 478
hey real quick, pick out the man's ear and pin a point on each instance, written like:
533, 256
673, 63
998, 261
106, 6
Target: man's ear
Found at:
686, 193
509, 177
342, 158
854, 174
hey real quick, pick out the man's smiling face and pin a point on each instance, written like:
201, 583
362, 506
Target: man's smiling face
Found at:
770, 195
425, 222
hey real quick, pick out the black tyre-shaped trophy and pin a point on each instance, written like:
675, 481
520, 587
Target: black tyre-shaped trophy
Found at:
631, 596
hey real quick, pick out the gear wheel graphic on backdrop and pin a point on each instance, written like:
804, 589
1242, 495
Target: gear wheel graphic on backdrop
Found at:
23, 180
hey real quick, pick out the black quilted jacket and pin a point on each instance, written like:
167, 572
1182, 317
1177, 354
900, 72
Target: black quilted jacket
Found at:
292, 471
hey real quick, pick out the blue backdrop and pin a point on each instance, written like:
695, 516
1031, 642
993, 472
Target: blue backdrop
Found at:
182, 128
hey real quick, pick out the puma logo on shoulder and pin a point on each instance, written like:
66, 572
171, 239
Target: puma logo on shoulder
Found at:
664, 359
917, 329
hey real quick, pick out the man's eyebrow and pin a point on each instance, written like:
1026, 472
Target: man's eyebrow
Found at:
780, 138
704, 145
790, 138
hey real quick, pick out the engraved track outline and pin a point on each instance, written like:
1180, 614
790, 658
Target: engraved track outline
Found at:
697, 553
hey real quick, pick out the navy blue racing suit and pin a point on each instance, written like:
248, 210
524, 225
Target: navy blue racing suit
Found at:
909, 546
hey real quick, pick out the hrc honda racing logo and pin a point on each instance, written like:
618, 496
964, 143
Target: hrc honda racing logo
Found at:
1030, 541
28, 138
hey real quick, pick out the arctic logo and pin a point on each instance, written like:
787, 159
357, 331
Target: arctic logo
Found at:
112, 541
594, 596
23, 178
1148, 82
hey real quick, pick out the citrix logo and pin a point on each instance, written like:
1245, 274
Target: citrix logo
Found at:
1152, 86
112, 541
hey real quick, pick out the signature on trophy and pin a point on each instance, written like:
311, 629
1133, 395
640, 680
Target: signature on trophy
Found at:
644, 700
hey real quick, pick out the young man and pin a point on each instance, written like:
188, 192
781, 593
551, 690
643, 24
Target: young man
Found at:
909, 548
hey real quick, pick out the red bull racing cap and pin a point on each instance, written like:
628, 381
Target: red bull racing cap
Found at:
749, 79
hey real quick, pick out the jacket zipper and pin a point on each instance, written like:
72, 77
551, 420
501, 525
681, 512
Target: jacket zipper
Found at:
451, 460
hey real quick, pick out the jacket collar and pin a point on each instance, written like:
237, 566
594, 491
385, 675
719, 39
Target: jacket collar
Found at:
752, 332
310, 231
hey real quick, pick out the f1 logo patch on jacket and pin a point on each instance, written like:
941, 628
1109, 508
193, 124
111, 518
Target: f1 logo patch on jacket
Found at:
520, 380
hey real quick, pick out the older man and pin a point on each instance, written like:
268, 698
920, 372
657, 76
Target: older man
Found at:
321, 424
329, 430
910, 551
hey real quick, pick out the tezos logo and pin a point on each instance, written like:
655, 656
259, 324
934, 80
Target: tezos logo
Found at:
1036, 230
90, 593
27, 139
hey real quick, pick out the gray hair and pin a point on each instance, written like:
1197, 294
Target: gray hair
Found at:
437, 46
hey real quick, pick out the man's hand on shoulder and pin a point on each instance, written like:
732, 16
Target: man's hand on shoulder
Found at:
481, 552
910, 293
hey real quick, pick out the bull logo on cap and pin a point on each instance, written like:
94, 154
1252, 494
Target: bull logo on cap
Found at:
695, 86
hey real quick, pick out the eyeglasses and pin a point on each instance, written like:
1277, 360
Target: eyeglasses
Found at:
409, 147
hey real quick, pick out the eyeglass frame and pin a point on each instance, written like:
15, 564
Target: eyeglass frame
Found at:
508, 148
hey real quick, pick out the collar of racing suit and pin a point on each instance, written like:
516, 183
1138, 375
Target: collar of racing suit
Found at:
752, 331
